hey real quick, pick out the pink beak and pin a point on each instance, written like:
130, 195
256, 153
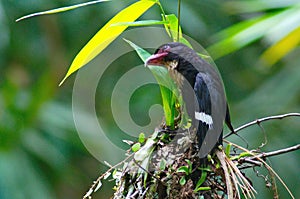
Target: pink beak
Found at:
156, 59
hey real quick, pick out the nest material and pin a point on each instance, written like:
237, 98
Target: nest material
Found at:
168, 166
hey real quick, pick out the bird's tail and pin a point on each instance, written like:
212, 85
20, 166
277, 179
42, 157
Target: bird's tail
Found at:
201, 133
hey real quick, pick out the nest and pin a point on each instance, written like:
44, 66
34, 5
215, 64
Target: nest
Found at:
168, 166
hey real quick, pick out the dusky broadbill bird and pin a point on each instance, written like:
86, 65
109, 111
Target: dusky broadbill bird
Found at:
202, 91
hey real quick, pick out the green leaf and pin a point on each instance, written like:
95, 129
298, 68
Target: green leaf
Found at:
281, 48
190, 165
245, 154
145, 179
237, 7
136, 147
63, 9
173, 26
241, 155
210, 159
107, 34
182, 181
187, 43
201, 180
168, 88
169, 92
143, 54
236, 157
114, 173
140, 23
207, 169
273, 26
227, 150
165, 137
203, 56
203, 189
142, 138
162, 164
238, 36
183, 169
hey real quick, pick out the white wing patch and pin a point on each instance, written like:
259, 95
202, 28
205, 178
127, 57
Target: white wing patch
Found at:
205, 118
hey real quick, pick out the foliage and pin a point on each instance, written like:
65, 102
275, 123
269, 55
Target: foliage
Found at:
278, 23
112, 29
39, 144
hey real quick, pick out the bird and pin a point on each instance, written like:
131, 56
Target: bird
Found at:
202, 91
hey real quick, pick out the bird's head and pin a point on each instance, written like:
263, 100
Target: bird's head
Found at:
170, 55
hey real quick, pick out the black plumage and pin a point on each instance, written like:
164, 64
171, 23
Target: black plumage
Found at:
202, 90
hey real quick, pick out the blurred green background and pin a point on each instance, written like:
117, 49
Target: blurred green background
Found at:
41, 155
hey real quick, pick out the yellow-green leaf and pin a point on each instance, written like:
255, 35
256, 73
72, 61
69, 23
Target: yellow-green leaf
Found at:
63, 9
136, 147
173, 26
140, 23
281, 48
107, 34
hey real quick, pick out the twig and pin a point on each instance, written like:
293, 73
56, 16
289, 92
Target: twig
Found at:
96, 182
273, 153
266, 165
258, 121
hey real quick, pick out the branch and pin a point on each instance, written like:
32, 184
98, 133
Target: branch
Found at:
258, 121
277, 152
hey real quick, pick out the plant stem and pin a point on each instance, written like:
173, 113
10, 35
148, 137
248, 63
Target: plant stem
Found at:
178, 16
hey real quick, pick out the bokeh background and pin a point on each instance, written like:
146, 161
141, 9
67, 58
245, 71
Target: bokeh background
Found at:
41, 155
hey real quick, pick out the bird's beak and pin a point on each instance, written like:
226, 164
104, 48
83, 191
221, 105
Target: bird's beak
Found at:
156, 59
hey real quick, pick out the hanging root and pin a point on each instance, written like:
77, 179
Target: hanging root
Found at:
235, 180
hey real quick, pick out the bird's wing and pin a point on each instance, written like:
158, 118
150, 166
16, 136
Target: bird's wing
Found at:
203, 113
212, 110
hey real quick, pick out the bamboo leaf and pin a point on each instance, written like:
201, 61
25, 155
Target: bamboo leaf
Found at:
273, 26
240, 35
168, 88
62, 9
140, 23
107, 34
281, 48
143, 54
236, 7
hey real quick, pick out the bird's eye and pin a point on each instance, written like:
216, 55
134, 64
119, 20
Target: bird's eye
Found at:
166, 49
163, 49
